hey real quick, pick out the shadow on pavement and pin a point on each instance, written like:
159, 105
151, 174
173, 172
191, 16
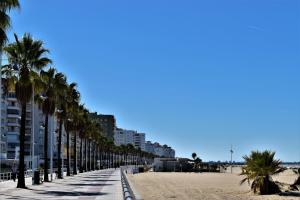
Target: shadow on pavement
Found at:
70, 194
88, 184
95, 180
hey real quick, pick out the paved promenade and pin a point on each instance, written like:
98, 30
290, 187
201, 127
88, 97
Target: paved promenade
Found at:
97, 185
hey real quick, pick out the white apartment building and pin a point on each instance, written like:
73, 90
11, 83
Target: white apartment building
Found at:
160, 150
124, 137
10, 131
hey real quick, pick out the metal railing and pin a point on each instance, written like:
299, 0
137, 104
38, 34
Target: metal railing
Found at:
127, 191
9, 175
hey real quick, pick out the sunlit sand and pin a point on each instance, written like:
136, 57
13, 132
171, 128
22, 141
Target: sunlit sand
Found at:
204, 186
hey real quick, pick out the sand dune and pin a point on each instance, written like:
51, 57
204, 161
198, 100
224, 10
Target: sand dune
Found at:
204, 186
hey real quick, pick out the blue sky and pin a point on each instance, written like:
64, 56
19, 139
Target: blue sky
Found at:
196, 75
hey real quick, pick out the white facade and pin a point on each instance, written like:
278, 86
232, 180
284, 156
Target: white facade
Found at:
160, 150
10, 131
124, 137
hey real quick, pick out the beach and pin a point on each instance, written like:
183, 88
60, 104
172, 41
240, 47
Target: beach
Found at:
204, 186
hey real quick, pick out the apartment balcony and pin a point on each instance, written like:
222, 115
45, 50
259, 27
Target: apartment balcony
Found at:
28, 109
28, 126
13, 116
14, 107
11, 150
13, 132
14, 124
14, 99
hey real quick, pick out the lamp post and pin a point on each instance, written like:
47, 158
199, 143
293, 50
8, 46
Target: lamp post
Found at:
43, 98
231, 152
32, 133
42, 128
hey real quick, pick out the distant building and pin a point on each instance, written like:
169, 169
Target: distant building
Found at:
107, 122
124, 137
149, 147
160, 150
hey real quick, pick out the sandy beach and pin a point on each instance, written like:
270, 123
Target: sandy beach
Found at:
204, 186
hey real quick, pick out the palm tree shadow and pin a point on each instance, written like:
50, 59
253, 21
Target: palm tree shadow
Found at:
88, 184
69, 194
95, 180
290, 194
10, 196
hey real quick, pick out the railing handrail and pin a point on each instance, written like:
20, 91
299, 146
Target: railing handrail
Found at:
127, 191
6, 176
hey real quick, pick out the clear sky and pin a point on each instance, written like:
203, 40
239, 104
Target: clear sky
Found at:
196, 75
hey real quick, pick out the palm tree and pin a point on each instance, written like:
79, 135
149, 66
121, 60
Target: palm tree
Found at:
194, 155
60, 104
5, 7
82, 126
71, 123
53, 86
26, 59
130, 151
75, 122
61, 87
260, 166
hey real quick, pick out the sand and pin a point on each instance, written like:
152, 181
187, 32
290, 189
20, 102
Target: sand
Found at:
204, 186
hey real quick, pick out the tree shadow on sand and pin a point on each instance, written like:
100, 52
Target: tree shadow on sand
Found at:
290, 194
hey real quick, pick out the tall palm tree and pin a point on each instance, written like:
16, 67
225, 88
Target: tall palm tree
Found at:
194, 155
5, 23
260, 166
77, 115
71, 122
61, 88
82, 126
26, 59
53, 85
102, 142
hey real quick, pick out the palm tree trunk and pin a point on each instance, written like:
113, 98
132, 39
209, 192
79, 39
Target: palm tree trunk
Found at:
21, 175
93, 156
46, 178
96, 156
59, 164
89, 161
100, 158
85, 155
80, 156
75, 154
68, 154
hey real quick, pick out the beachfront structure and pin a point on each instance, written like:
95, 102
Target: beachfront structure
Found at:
107, 123
124, 137
165, 164
159, 150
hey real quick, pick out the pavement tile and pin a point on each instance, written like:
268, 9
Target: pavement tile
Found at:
97, 185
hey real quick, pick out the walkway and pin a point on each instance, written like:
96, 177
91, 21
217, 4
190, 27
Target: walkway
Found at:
97, 185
